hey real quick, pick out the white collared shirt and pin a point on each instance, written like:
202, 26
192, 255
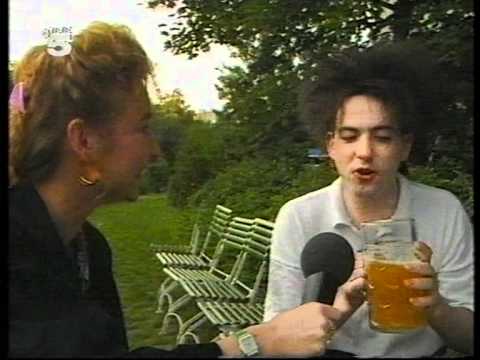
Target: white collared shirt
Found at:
441, 223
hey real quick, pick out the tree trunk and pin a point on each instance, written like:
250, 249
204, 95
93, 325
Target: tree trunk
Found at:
401, 19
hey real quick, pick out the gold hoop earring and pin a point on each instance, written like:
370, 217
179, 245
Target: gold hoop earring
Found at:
86, 182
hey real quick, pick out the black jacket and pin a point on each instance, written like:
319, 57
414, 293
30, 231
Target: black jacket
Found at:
49, 316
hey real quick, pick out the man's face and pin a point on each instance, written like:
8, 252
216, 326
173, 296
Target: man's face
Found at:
367, 147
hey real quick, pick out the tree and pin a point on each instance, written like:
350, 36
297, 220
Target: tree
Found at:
264, 109
171, 118
199, 158
281, 30
279, 39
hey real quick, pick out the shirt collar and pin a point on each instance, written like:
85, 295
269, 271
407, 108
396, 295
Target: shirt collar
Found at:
340, 214
403, 207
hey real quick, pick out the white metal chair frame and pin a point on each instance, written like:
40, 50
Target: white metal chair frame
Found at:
228, 315
214, 282
218, 225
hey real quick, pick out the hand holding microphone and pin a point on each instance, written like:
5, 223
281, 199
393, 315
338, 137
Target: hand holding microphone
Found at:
327, 262
300, 332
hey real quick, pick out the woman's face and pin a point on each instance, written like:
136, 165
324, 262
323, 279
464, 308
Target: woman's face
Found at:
129, 148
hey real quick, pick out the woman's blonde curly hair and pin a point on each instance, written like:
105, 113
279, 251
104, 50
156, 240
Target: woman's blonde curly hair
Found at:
90, 83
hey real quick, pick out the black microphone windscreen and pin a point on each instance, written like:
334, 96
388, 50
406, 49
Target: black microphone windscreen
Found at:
330, 253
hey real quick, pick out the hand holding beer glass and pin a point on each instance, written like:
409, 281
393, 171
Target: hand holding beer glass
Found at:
391, 248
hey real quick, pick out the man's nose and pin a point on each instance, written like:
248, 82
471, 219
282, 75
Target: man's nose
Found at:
364, 148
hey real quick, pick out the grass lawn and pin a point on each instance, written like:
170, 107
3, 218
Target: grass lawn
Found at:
130, 228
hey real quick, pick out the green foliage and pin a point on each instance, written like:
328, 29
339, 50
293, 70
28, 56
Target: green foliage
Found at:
169, 122
447, 175
311, 178
264, 107
156, 177
199, 158
278, 40
170, 119
258, 187
235, 137
280, 30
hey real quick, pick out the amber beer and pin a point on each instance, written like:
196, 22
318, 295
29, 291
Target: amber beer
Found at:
389, 307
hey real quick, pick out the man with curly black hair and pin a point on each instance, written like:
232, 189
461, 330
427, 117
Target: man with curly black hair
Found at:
371, 106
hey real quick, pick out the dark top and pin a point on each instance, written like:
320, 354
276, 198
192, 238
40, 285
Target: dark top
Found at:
49, 313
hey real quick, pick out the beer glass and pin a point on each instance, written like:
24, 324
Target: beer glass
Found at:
390, 245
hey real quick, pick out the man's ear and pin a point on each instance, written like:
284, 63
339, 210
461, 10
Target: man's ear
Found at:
82, 140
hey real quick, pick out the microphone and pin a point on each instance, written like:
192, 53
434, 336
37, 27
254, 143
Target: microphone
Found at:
327, 262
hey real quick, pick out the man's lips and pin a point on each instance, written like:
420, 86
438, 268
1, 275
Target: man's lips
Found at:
364, 173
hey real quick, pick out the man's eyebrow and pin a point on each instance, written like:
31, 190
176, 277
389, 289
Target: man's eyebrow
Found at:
375, 128
347, 128
385, 127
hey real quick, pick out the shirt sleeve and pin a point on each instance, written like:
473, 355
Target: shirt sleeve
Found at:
285, 279
456, 270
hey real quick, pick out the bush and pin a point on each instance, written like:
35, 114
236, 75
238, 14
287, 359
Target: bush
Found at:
311, 178
450, 177
199, 158
155, 179
246, 187
259, 187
